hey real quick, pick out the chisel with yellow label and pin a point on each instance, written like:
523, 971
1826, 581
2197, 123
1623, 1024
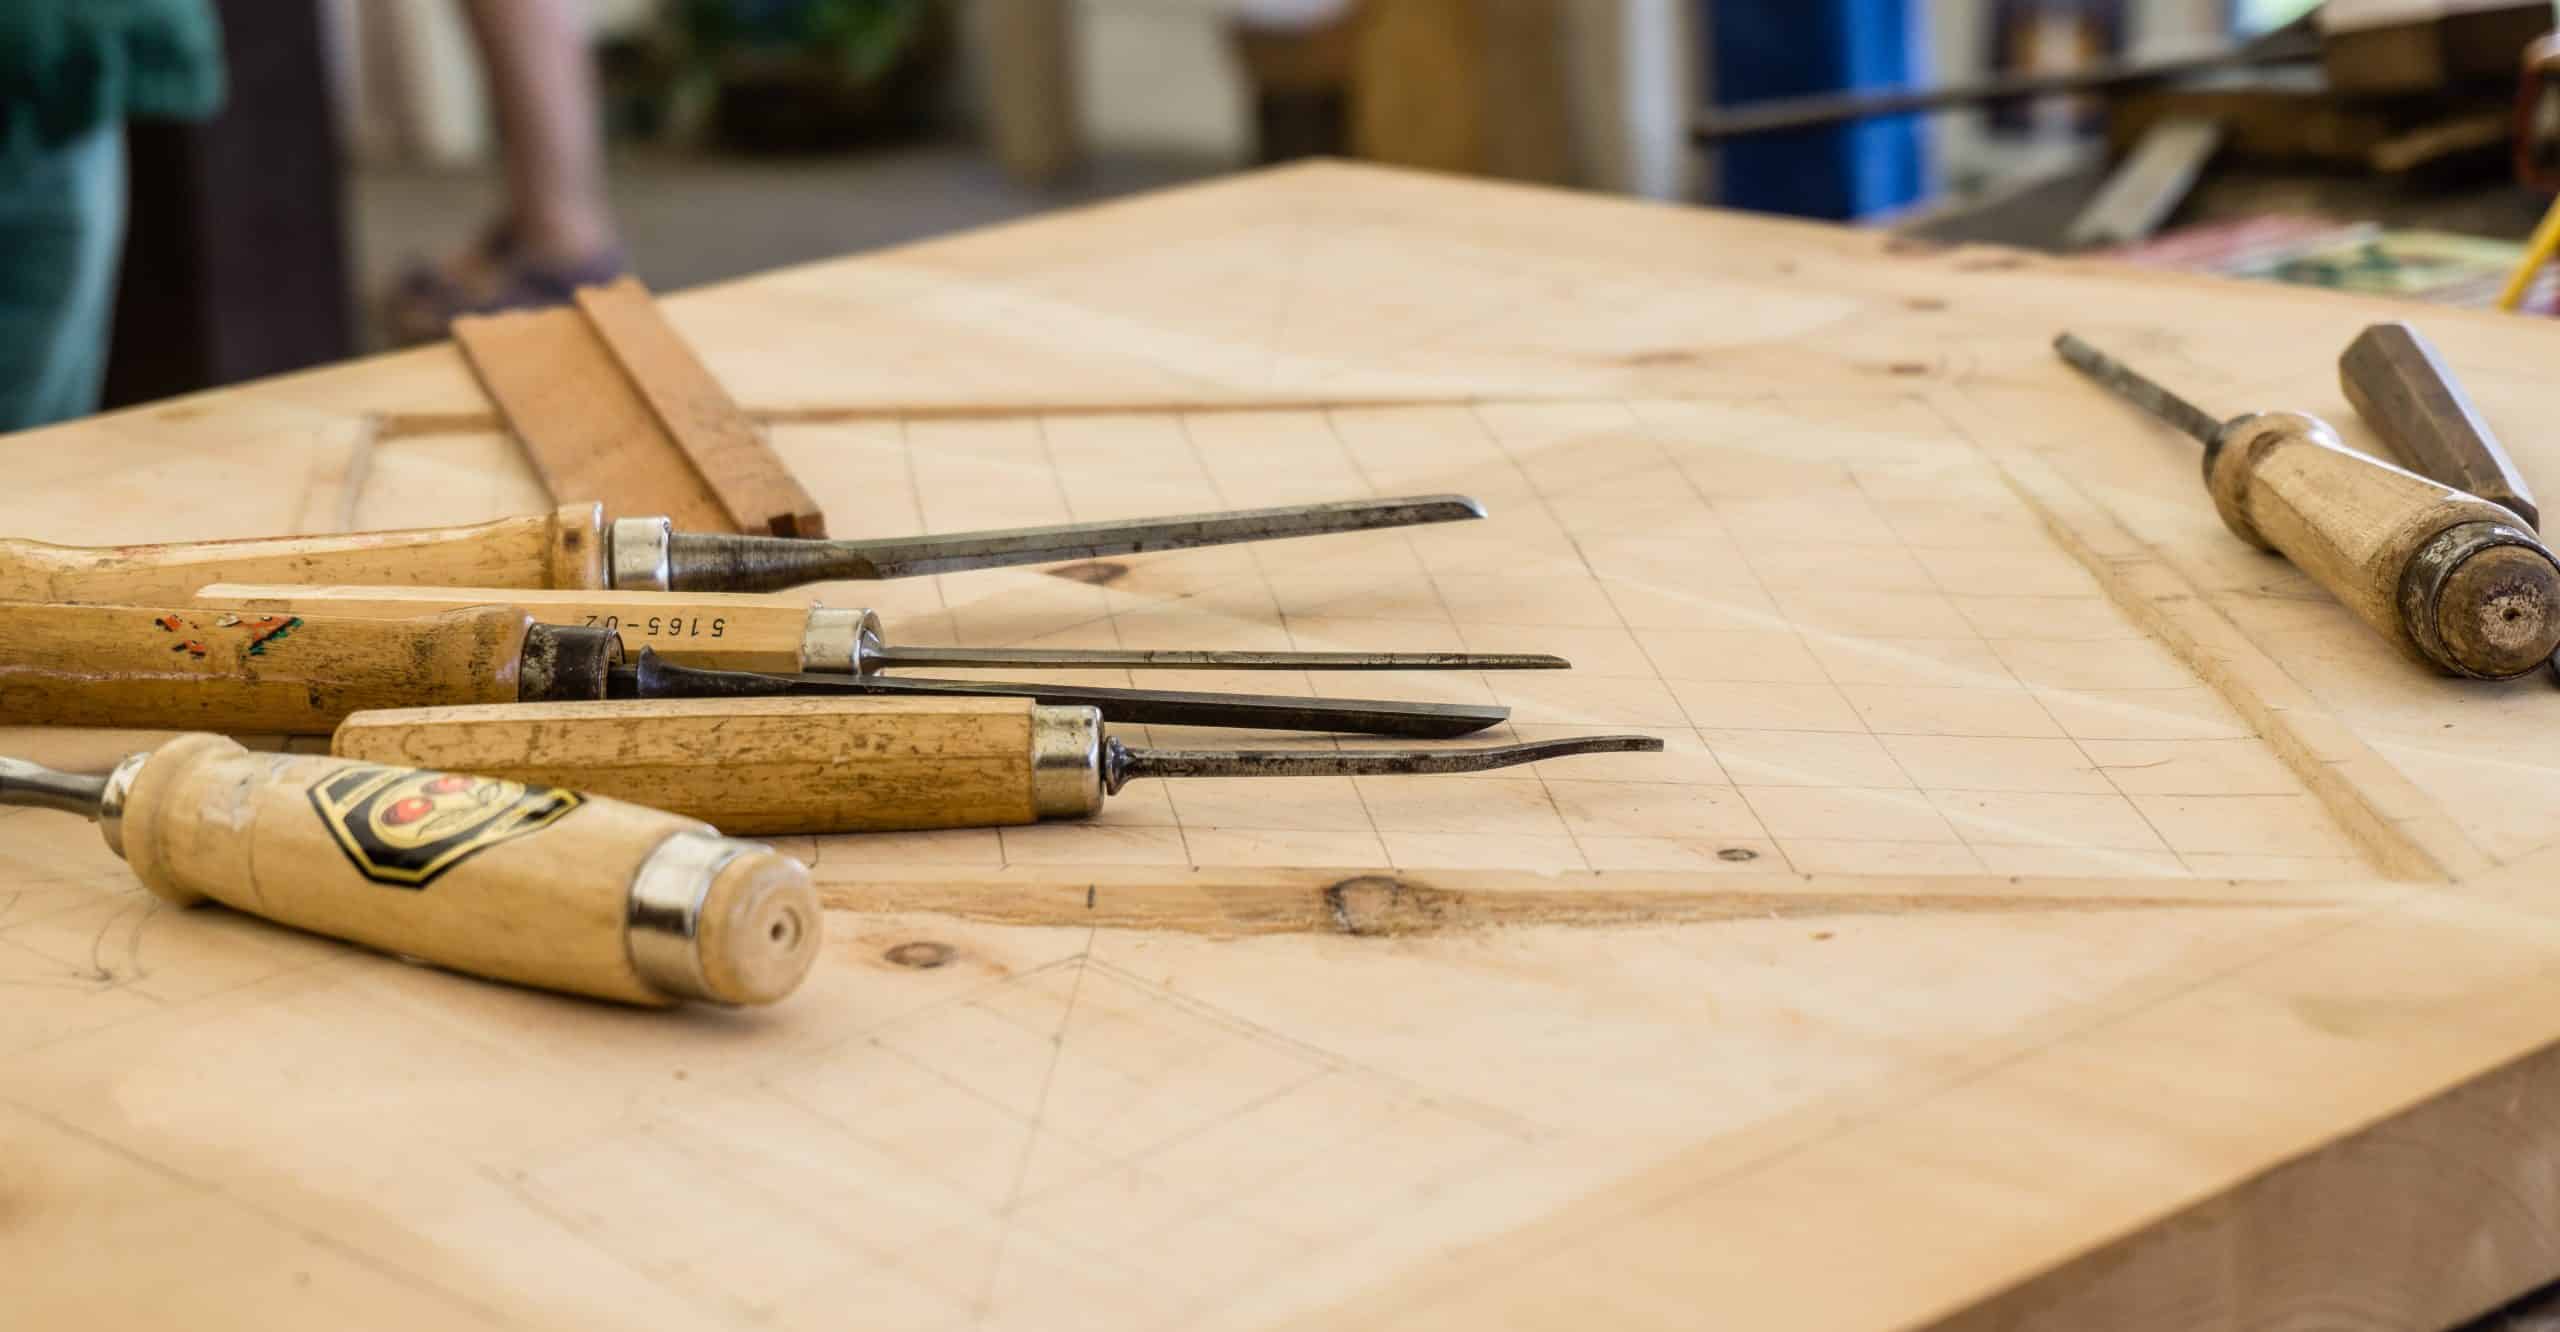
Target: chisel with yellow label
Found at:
517, 881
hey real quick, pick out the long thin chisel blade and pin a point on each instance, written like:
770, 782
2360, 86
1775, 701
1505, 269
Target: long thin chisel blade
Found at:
652, 678
715, 562
2134, 387
1212, 660
1124, 765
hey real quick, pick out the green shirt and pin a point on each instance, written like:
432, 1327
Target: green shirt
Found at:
69, 66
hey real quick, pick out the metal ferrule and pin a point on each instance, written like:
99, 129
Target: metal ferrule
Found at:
663, 929
2422, 584
566, 663
1066, 761
840, 640
111, 801
642, 554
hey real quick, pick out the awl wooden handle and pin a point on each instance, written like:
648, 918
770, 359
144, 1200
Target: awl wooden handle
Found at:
2447, 575
565, 548
242, 672
772, 766
518, 881
726, 631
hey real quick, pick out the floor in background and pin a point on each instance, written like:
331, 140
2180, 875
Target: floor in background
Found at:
691, 220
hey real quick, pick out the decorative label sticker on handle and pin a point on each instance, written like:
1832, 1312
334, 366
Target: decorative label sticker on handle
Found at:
404, 828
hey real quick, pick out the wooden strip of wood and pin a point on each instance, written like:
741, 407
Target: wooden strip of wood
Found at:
1373, 902
590, 434
747, 478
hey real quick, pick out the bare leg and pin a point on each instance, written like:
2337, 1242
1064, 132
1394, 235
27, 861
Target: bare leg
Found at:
543, 80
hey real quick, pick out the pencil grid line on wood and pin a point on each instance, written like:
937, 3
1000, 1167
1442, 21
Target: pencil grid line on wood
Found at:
1958, 732
1807, 1036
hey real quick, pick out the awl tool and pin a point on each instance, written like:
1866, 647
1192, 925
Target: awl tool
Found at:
760, 633
2404, 390
574, 547
533, 883
782, 766
278, 674
2453, 579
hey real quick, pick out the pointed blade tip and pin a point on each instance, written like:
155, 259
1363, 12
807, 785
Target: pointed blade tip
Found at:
1445, 508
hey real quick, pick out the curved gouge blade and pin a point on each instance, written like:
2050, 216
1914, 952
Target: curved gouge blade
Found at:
653, 678
714, 562
29, 786
1122, 765
1212, 659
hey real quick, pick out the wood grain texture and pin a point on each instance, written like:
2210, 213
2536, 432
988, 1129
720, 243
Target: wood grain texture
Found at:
589, 433
140, 668
754, 488
543, 899
562, 549
728, 631
2400, 831
611, 406
1368, 903
750, 767
1756, 477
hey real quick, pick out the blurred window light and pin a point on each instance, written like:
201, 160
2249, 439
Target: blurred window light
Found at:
2254, 16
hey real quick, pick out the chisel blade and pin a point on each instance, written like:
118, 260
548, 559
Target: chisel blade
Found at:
717, 562
1206, 659
653, 678
1122, 765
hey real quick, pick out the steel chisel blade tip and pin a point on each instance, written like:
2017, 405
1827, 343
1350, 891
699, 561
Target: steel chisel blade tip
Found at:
1124, 764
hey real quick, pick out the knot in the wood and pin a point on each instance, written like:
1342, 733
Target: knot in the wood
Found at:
922, 953
1375, 904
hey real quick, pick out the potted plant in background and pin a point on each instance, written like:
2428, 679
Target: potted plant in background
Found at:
807, 75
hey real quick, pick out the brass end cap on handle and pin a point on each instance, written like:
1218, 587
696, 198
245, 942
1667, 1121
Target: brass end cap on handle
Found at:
1066, 761
641, 557
846, 640
721, 920
114, 796
2482, 599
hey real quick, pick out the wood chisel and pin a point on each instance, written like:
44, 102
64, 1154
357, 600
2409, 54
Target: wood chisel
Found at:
746, 632
2454, 580
239, 673
526, 882
574, 547
778, 766
2403, 389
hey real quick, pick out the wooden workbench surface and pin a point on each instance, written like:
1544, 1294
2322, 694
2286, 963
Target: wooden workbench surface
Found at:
2051, 912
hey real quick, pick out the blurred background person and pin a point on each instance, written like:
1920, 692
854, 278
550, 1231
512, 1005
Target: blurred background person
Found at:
71, 73
556, 232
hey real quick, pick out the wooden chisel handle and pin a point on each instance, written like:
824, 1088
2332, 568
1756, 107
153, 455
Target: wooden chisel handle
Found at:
775, 765
2450, 577
241, 672
521, 882
722, 630
565, 548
